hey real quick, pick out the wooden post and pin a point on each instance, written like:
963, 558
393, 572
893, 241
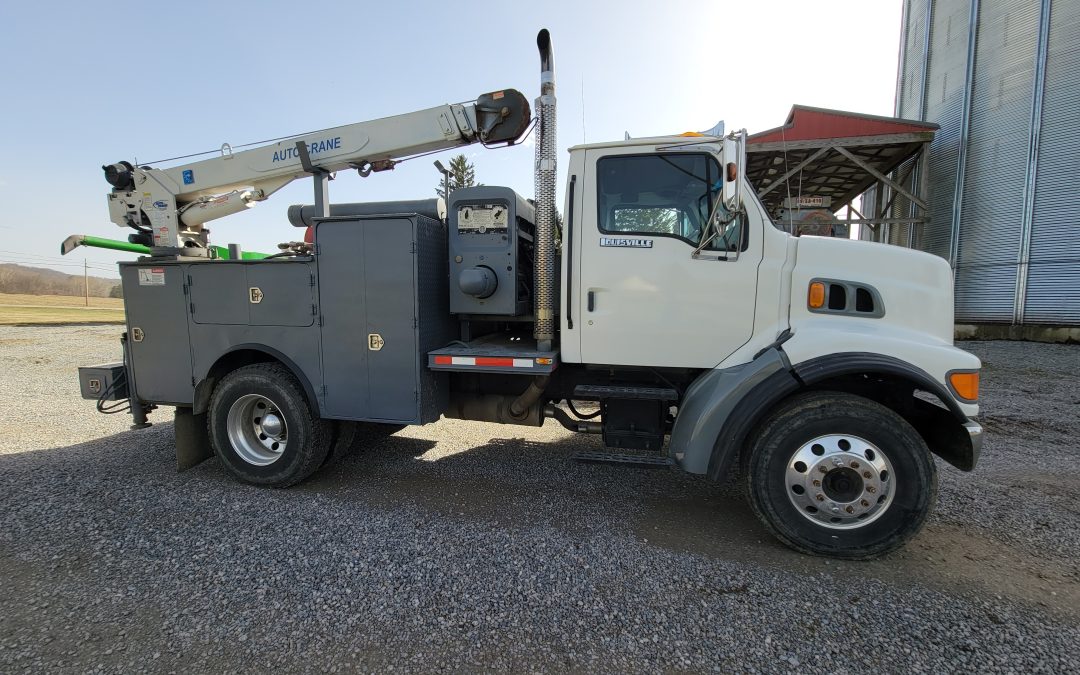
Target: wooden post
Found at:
86, 283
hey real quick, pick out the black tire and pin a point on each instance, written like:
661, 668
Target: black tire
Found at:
342, 437
774, 463
355, 437
368, 433
308, 437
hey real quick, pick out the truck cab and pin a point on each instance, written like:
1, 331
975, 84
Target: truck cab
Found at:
770, 326
642, 285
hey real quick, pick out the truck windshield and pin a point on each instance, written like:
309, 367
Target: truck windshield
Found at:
667, 195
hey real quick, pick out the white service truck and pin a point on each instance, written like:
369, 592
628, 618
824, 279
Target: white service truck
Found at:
698, 333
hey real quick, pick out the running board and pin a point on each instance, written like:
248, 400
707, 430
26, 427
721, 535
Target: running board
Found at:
641, 461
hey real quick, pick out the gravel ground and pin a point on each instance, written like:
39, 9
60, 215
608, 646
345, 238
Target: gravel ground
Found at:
462, 546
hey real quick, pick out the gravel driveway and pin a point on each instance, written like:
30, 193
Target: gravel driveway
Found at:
463, 546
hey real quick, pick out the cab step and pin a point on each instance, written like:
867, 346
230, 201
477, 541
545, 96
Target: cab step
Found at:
634, 417
641, 461
600, 392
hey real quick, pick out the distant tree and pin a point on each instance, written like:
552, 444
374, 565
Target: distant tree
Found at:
116, 291
664, 220
462, 174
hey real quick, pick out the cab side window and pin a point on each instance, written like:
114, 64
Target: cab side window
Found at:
668, 195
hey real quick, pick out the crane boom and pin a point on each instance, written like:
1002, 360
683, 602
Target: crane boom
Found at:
173, 203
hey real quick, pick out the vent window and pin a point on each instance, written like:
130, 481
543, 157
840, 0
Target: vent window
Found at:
837, 297
864, 301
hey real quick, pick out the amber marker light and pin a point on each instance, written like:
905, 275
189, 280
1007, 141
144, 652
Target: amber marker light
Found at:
965, 384
816, 297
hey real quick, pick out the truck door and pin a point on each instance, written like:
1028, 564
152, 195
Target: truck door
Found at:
643, 299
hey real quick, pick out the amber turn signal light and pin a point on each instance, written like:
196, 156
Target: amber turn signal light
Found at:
965, 385
816, 297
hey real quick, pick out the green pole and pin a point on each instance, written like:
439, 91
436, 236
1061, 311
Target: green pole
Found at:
100, 242
74, 241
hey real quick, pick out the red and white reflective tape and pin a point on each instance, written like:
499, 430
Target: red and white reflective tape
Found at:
491, 361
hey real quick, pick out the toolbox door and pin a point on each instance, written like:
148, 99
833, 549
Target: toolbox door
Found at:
366, 302
156, 311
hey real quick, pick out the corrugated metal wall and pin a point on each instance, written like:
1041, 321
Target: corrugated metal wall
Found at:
1053, 284
1013, 231
997, 155
909, 99
944, 105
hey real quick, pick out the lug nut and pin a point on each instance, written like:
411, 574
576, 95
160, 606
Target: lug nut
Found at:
850, 510
854, 465
867, 474
865, 503
871, 489
821, 498
817, 483
824, 469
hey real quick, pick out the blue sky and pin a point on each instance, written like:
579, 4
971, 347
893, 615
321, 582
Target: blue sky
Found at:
86, 85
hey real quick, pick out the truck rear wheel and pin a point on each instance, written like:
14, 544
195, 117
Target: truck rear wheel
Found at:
262, 428
840, 475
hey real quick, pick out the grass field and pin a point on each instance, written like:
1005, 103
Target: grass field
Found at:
17, 310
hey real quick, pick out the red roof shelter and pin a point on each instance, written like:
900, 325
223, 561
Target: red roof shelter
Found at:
827, 158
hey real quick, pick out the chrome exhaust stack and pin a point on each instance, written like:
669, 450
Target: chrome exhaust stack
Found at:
545, 174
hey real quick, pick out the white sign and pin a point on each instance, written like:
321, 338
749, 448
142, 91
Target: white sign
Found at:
626, 242
151, 276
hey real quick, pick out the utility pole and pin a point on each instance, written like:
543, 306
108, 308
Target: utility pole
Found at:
86, 283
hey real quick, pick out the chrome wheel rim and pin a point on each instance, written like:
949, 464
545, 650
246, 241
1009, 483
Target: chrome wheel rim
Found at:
257, 429
840, 482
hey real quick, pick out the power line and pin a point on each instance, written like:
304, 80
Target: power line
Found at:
39, 262
32, 263
21, 254
33, 255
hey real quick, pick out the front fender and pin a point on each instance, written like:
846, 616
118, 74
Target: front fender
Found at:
719, 404
854, 344
722, 407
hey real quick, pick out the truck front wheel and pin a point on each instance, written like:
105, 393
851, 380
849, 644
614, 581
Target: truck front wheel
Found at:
840, 475
262, 428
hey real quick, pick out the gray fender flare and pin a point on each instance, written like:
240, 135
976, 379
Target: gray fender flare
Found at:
720, 407
208, 381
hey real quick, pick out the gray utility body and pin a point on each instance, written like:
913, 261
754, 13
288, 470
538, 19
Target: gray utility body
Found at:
353, 323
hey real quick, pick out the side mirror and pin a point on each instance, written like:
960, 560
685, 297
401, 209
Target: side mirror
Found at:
734, 165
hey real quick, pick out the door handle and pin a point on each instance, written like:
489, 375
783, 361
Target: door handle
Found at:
591, 301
